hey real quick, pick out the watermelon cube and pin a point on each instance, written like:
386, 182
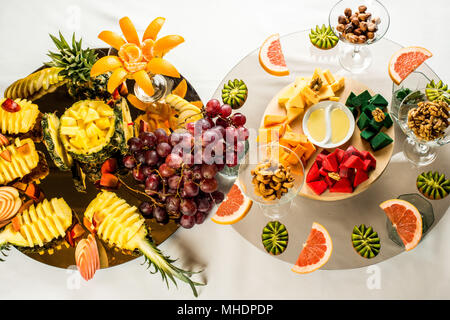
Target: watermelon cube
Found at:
360, 177
319, 159
354, 151
353, 162
323, 172
318, 186
330, 163
344, 186
313, 173
330, 182
368, 156
339, 154
367, 165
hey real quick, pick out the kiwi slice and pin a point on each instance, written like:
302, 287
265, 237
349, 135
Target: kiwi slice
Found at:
438, 91
323, 37
366, 241
234, 93
433, 185
275, 238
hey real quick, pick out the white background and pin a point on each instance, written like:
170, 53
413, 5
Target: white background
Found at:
218, 34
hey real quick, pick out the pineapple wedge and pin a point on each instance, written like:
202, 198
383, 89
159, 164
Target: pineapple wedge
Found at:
121, 225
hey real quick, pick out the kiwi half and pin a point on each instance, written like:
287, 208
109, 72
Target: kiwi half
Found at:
433, 185
366, 241
275, 238
234, 93
323, 38
437, 91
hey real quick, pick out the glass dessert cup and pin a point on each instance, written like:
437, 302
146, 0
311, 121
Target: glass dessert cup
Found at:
417, 150
356, 57
278, 208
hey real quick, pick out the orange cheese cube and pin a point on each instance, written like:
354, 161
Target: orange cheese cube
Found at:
271, 119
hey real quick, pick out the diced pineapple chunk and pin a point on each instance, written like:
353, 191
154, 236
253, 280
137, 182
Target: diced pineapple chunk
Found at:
103, 123
68, 121
105, 111
93, 131
92, 115
70, 131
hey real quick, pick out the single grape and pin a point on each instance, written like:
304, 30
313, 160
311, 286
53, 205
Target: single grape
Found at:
173, 182
174, 161
146, 209
212, 108
218, 196
208, 185
160, 215
204, 205
202, 125
139, 156
187, 222
199, 217
138, 174
222, 122
188, 159
166, 171
147, 170
210, 136
225, 111
174, 138
152, 182
172, 204
197, 173
134, 144
187, 174
238, 119
161, 135
190, 189
208, 170
220, 130
163, 149
129, 162
151, 157
243, 133
188, 207
148, 139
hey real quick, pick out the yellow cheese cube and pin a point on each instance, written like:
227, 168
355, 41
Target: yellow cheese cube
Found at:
338, 85
286, 95
309, 95
329, 76
325, 92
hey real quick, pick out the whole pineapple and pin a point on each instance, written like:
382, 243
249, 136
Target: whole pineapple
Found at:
76, 64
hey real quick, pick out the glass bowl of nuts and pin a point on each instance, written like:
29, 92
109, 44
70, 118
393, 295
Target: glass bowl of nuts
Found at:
423, 117
358, 24
272, 177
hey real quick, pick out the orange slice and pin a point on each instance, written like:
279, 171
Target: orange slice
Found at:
316, 251
181, 89
138, 103
162, 66
406, 219
153, 29
105, 64
233, 208
112, 38
147, 49
130, 52
405, 61
129, 31
144, 81
117, 77
165, 44
197, 103
87, 257
271, 57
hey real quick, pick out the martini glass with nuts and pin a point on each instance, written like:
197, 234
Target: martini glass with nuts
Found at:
272, 177
423, 117
358, 24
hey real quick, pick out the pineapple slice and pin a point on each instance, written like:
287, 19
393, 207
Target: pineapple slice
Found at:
68, 121
121, 225
39, 224
22, 121
91, 115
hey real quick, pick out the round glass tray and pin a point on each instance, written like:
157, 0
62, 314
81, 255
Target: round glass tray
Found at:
338, 217
60, 184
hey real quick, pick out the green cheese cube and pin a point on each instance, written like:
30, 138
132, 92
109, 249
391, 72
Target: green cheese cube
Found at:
368, 134
368, 110
387, 121
363, 121
379, 101
375, 126
349, 102
354, 111
364, 97
380, 141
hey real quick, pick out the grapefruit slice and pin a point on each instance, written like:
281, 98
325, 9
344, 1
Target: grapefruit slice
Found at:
405, 61
406, 219
316, 251
271, 57
233, 208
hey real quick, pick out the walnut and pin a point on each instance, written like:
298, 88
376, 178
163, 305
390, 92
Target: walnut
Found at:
316, 84
378, 115
271, 181
429, 120
334, 176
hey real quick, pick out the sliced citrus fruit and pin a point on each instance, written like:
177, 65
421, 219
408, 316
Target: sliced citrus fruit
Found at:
130, 52
112, 38
406, 219
165, 44
197, 103
316, 251
147, 49
405, 61
233, 208
271, 57
181, 89
105, 64
144, 81
153, 29
117, 77
162, 66
129, 31
138, 103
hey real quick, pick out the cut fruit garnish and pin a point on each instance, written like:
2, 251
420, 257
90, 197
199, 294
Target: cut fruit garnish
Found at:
129, 31
406, 219
105, 64
165, 44
87, 257
233, 208
143, 81
153, 29
405, 61
112, 38
117, 77
316, 251
271, 56
161, 66
181, 89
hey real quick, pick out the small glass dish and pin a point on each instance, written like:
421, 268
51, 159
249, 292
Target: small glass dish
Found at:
273, 209
355, 56
419, 151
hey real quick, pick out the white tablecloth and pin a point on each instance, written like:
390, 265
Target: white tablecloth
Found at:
218, 35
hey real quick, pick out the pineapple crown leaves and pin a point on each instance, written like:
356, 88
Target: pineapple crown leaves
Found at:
75, 61
168, 270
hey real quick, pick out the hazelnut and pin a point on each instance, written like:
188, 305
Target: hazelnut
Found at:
376, 20
362, 17
368, 15
348, 35
340, 27
348, 12
372, 27
362, 39
353, 16
357, 31
363, 26
362, 9
342, 20
370, 35
348, 28
355, 22
354, 38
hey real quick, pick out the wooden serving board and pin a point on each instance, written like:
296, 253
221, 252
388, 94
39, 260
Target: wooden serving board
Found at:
382, 156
